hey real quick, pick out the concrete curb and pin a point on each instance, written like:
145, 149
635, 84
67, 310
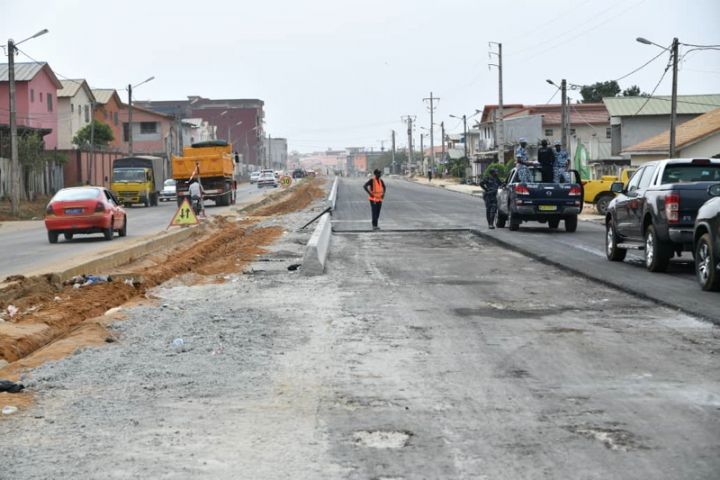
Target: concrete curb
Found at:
627, 287
332, 198
317, 248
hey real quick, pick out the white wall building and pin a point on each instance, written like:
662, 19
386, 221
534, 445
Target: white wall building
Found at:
75, 110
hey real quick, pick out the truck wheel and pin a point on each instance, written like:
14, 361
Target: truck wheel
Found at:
706, 264
154, 200
613, 253
602, 203
514, 222
657, 253
68, 236
571, 223
554, 223
500, 219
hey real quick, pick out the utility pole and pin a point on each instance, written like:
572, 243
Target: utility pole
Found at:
409, 120
14, 162
465, 135
442, 132
92, 143
393, 152
130, 139
501, 114
432, 100
673, 102
564, 120
422, 151
269, 152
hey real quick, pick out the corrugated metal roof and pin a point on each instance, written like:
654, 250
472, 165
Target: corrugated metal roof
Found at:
660, 105
686, 134
103, 95
26, 71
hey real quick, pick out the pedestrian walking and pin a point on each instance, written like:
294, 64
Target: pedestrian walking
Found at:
490, 186
523, 162
546, 159
429, 174
562, 163
376, 190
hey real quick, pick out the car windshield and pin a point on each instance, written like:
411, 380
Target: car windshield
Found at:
128, 175
169, 183
72, 194
691, 173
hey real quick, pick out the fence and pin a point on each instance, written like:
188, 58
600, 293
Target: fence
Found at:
33, 182
81, 170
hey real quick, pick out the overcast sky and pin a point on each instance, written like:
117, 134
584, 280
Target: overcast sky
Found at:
338, 73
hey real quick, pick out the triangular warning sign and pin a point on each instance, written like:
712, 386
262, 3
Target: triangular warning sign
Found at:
184, 215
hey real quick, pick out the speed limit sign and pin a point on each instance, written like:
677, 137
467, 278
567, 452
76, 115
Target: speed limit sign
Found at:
285, 181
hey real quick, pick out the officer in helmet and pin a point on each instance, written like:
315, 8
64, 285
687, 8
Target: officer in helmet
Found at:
562, 164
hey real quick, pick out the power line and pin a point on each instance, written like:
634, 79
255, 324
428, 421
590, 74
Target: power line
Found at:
640, 67
654, 89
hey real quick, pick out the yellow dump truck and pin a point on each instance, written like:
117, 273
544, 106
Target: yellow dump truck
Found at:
212, 164
598, 192
138, 179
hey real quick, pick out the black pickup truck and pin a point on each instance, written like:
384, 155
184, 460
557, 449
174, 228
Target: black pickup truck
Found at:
656, 210
539, 202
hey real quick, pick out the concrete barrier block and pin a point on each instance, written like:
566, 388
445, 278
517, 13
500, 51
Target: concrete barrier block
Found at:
317, 248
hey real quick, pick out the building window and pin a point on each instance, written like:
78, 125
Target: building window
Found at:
572, 131
115, 118
40, 97
87, 113
32, 95
148, 128
49, 101
608, 132
126, 137
548, 132
72, 108
105, 114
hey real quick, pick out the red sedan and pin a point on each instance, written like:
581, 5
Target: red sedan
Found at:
84, 210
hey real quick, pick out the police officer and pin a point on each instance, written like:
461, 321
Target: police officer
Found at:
523, 162
562, 163
490, 185
546, 159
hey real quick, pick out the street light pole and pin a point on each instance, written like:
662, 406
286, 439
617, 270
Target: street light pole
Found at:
14, 160
673, 102
130, 130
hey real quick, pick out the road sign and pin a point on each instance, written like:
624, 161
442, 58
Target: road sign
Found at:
285, 181
184, 215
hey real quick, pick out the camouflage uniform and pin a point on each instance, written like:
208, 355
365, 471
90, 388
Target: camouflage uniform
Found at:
490, 185
522, 160
562, 162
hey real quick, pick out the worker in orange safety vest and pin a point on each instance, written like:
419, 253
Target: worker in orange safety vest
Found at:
376, 190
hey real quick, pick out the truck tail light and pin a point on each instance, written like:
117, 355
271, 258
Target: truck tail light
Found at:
99, 207
672, 207
521, 190
49, 210
574, 191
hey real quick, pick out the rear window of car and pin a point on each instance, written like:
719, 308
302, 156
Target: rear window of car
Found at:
691, 173
169, 183
76, 194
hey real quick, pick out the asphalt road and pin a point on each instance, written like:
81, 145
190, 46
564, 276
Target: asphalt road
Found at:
410, 206
30, 252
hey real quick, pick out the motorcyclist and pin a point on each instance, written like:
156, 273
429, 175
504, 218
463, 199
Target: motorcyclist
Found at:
490, 186
196, 192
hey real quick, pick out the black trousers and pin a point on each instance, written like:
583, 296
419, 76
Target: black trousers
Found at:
490, 208
547, 173
375, 208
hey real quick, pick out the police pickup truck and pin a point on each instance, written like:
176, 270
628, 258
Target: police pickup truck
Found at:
656, 210
539, 202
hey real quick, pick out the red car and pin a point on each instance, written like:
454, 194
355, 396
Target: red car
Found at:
84, 210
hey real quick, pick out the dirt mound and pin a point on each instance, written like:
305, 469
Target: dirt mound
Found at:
300, 198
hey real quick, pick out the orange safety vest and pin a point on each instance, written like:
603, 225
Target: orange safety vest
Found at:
376, 192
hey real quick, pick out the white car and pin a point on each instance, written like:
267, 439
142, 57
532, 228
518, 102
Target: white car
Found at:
169, 191
267, 179
254, 177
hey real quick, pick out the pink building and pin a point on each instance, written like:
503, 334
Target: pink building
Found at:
151, 131
36, 89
